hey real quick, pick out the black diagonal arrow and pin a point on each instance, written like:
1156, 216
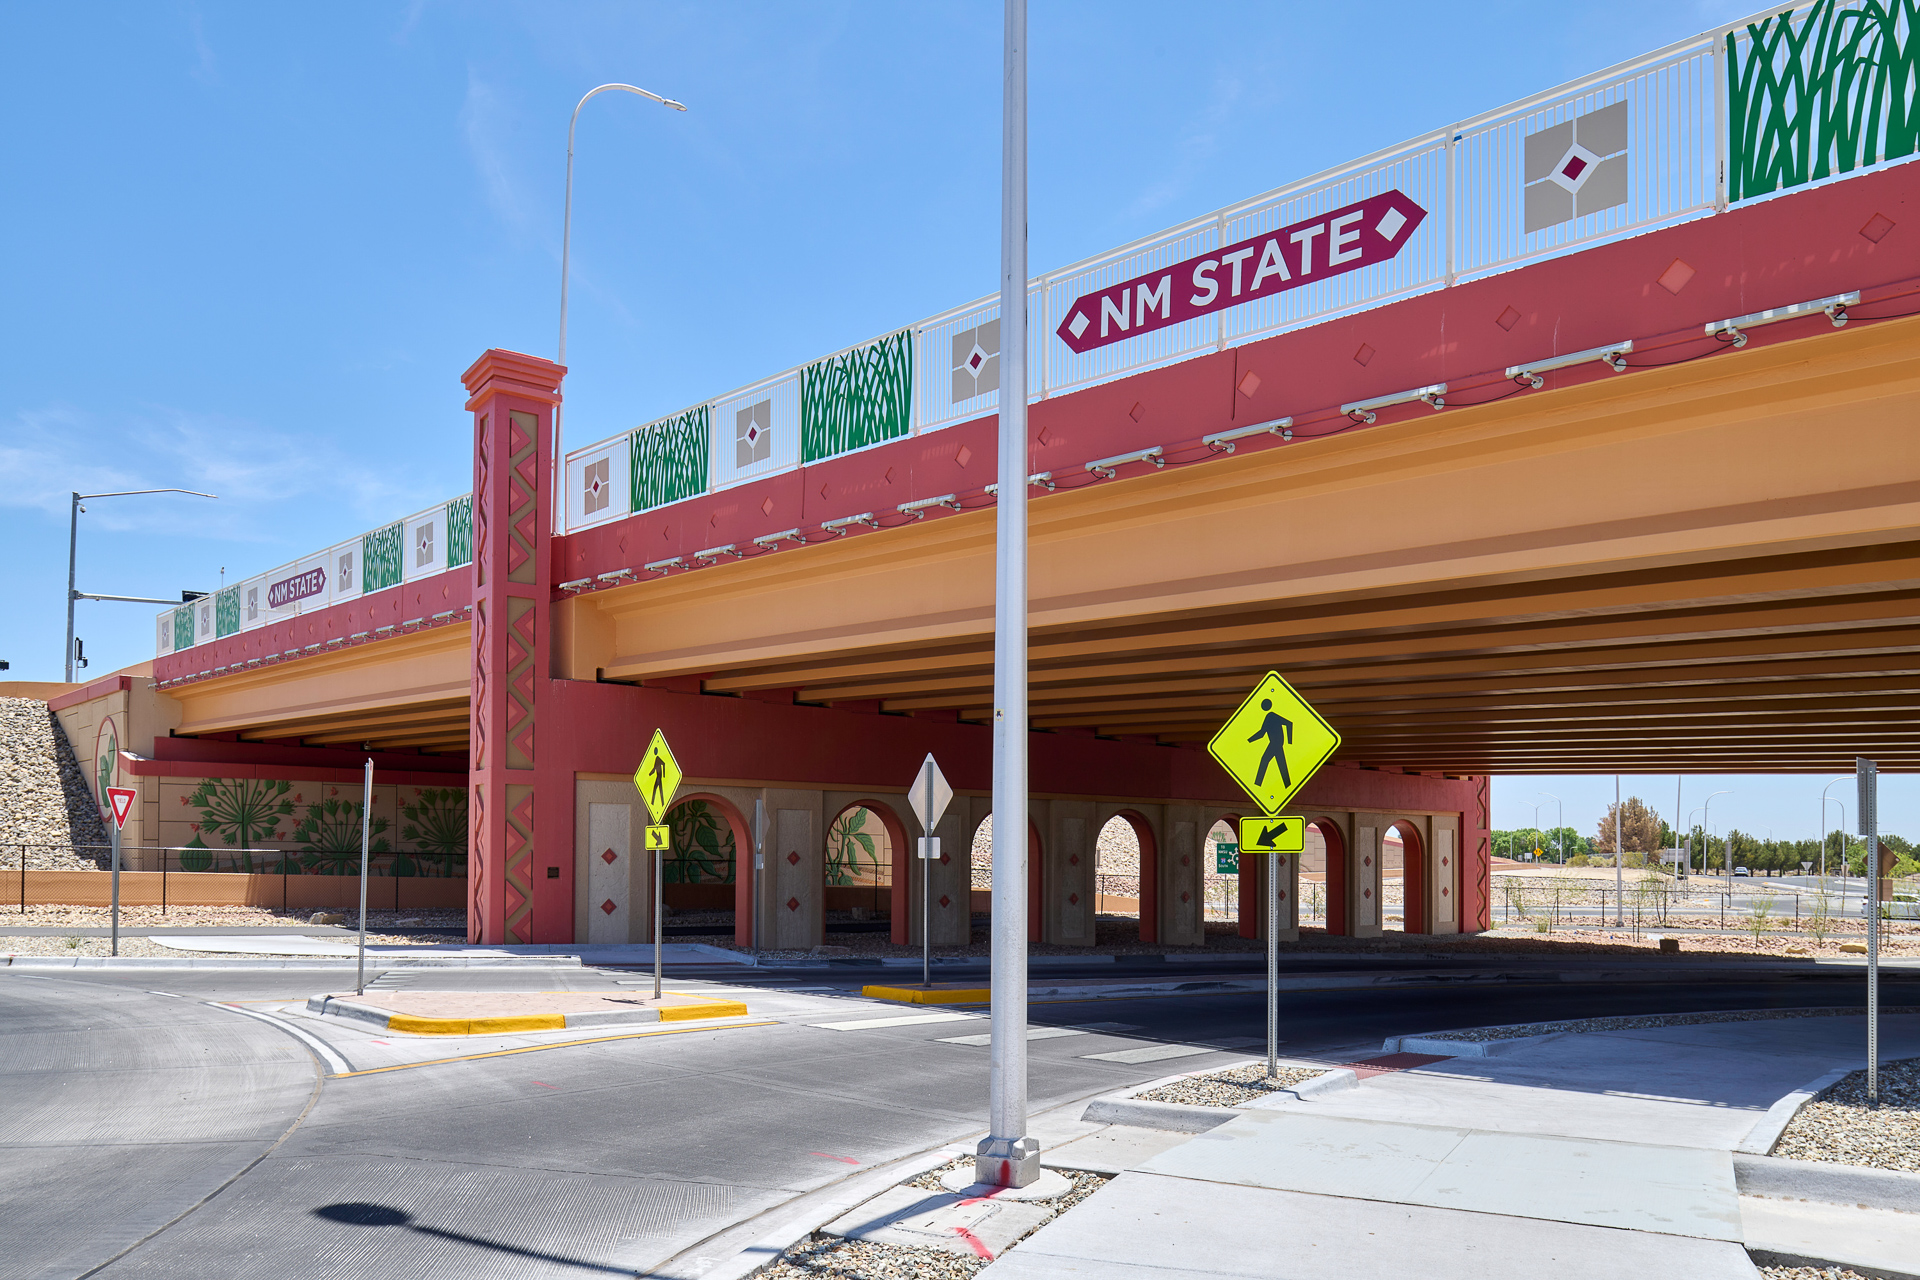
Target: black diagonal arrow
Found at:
1270, 835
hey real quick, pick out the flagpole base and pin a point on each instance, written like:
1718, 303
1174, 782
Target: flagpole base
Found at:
1007, 1162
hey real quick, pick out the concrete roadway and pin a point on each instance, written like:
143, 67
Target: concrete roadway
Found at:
147, 1133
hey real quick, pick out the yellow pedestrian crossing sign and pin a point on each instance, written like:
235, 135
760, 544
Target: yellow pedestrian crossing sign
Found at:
1273, 744
658, 777
1273, 835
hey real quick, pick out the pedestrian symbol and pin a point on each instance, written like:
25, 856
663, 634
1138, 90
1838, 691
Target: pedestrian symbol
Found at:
658, 777
1273, 744
1273, 835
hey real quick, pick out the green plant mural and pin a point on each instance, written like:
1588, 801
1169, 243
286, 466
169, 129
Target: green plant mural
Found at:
380, 557
182, 629
103, 769
434, 823
853, 856
238, 812
226, 612
460, 531
702, 850
329, 836
670, 459
857, 398
1829, 93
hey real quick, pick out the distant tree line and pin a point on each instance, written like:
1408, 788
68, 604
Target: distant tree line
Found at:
1646, 833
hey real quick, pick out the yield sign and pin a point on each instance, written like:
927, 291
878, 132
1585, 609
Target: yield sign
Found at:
930, 795
1273, 743
1346, 239
121, 798
658, 777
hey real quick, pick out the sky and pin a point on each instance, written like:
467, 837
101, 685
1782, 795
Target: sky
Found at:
252, 247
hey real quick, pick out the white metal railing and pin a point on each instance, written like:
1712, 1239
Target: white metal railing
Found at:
421, 545
1641, 145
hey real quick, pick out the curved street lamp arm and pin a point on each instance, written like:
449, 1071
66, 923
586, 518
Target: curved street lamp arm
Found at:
127, 493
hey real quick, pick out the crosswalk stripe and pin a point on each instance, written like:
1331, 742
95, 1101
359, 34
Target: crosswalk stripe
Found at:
904, 1020
1033, 1033
1150, 1053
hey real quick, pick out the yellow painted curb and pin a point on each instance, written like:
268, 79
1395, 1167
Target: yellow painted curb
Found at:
476, 1026
711, 1009
920, 995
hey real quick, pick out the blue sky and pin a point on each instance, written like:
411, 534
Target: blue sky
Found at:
251, 247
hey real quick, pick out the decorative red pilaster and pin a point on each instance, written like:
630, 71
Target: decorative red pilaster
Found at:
512, 398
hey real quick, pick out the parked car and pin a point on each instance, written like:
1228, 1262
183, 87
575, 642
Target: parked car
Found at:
1741, 871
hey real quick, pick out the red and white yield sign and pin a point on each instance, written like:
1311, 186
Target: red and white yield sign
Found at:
1328, 244
121, 798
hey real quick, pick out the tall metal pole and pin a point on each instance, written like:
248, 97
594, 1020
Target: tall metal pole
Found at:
116, 883
1868, 774
659, 912
566, 249
1273, 964
1679, 781
1007, 1156
73, 546
1619, 855
366, 826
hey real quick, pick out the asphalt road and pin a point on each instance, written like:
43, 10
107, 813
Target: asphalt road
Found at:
147, 1132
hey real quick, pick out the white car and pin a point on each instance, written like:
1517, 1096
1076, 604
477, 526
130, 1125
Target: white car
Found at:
1742, 871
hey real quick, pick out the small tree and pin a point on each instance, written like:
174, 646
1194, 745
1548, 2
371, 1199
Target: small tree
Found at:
1642, 825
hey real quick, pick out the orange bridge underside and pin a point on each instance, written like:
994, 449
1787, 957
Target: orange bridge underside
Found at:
1707, 567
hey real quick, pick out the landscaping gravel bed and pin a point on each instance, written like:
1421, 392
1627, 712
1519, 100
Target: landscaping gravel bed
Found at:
1651, 1020
831, 1258
1234, 1087
176, 916
134, 945
1838, 1128
47, 800
1811, 1273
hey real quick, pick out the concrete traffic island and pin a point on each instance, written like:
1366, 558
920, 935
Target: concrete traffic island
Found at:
463, 1013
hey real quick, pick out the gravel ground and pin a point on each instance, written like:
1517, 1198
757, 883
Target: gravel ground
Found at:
1233, 1087
1651, 1020
55, 945
1838, 1128
45, 795
830, 1258
1811, 1273
217, 917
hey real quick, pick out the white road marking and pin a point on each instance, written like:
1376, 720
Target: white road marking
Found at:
1033, 1033
1150, 1053
903, 1020
1107, 1026
336, 1065
175, 995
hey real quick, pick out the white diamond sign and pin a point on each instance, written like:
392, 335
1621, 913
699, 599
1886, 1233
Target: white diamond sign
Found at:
930, 795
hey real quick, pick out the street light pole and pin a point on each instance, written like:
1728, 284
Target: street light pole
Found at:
1619, 856
1008, 1156
566, 249
1559, 821
73, 549
1823, 829
1726, 855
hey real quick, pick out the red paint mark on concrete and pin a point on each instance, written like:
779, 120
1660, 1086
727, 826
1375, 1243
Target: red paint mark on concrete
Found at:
825, 1155
1394, 1062
974, 1243
544, 1085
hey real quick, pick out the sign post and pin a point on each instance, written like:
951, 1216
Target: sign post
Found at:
658, 781
929, 799
121, 799
1867, 776
1271, 745
366, 817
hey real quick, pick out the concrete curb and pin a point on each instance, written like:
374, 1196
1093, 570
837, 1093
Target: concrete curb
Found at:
14, 961
1464, 1048
1765, 1134
387, 1020
1841, 1184
1126, 1108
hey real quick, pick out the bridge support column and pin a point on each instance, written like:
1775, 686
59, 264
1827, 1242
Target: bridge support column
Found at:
1068, 846
1182, 894
520, 855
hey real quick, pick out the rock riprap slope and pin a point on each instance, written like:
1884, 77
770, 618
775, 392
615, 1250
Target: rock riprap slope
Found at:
45, 798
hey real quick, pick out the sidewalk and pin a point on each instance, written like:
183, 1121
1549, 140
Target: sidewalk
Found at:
1576, 1157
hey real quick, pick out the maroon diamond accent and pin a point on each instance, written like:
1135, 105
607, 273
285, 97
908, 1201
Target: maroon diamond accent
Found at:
1443, 893
945, 858
793, 904
1366, 893
1073, 860
608, 906
1573, 168
1073, 899
1185, 861
793, 859
1186, 897
945, 901
975, 360
607, 857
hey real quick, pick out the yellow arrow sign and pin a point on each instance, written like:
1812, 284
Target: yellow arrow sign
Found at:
658, 777
1273, 835
1273, 743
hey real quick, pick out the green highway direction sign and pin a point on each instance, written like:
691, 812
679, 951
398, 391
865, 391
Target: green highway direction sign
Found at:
1226, 859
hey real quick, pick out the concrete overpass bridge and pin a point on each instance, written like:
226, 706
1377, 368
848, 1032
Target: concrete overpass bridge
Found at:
1630, 490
